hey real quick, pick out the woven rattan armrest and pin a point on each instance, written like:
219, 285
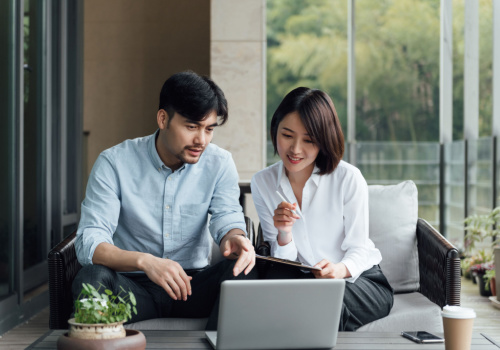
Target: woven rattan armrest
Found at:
63, 267
439, 265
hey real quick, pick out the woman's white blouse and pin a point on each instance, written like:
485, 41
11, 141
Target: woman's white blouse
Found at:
334, 217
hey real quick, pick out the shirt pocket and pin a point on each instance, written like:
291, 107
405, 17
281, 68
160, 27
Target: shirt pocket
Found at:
193, 220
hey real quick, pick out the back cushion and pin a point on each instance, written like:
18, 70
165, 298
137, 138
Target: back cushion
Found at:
393, 224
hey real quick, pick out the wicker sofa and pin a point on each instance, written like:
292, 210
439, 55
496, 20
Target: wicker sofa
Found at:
63, 267
421, 265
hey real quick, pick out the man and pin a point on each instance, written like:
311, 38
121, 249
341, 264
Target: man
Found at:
144, 218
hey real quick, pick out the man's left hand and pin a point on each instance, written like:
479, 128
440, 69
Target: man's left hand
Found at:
237, 246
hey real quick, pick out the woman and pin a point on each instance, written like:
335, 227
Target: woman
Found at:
327, 224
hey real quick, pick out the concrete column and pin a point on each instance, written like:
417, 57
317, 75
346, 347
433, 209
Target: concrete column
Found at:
238, 66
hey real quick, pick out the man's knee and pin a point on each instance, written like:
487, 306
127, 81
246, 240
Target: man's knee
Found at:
228, 267
95, 275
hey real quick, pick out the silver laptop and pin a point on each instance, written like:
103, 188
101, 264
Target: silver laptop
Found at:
278, 314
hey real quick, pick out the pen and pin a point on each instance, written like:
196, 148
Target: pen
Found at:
284, 200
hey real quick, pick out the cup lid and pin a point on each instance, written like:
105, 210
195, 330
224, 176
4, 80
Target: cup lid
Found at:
458, 312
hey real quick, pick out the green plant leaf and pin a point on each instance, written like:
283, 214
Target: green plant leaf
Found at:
104, 307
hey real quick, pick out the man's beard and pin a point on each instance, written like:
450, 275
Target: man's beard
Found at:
185, 157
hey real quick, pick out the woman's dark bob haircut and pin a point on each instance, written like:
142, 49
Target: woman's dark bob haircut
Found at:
320, 119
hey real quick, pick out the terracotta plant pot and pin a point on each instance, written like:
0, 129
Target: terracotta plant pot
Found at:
493, 286
96, 330
134, 340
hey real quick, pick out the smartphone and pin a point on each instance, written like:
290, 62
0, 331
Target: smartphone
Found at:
422, 337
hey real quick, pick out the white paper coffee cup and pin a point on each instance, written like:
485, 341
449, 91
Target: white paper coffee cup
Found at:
457, 325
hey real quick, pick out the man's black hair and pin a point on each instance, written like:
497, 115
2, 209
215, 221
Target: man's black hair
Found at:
193, 96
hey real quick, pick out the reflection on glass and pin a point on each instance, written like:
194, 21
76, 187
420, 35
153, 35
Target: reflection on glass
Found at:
454, 157
306, 46
33, 247
385, 163
480, 175
6, 232
480, 178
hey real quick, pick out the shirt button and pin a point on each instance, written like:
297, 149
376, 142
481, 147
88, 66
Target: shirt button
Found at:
167, 206
169, 179
167, 235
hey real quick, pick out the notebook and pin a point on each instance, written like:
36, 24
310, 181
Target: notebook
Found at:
278, 314
288, 262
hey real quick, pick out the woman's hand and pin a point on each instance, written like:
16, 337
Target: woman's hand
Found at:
329, 270
284, 219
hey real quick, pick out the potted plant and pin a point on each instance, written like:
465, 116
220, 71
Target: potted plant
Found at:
99, 319
478, 228
466, 264
479, 271
101, 316
490, 281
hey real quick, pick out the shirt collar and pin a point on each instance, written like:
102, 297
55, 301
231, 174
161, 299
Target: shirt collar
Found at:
315, 177
153, 153
155, 157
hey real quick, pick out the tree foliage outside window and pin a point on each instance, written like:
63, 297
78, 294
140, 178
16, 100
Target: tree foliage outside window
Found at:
397, 62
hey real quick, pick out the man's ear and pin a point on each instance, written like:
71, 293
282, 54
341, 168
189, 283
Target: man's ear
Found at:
162, 119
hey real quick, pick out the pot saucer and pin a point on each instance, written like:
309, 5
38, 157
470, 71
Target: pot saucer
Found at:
134, 340
495, 302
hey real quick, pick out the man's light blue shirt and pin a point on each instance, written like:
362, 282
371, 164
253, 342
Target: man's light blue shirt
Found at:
138, 204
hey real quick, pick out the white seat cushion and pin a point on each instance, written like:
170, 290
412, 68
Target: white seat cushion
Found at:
411, 312
170, 324
393, 223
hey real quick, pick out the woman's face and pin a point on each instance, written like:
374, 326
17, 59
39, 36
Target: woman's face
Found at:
295, 146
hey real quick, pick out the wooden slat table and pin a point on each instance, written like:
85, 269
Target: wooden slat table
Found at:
346, 340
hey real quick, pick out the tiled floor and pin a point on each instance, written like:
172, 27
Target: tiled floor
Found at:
488, 320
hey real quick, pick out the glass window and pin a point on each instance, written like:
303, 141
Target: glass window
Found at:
454, 162
306, 46
397, 70
6, 148
458, 69
485, 67
386, 163
480, 176
33, 149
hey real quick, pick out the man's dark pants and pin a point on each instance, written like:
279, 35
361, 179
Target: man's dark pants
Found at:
154, 302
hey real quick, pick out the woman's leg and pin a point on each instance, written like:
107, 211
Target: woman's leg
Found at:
368, 299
